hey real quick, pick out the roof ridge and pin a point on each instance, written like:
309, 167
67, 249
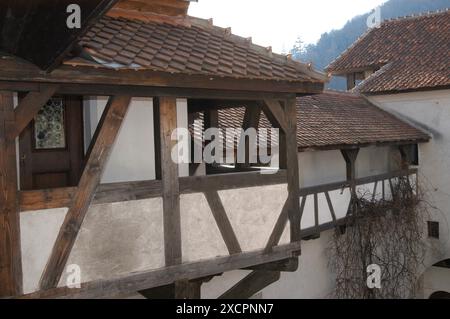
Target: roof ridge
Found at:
416, 16
226, 32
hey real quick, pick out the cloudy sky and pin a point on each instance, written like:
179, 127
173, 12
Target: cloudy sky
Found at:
279, 22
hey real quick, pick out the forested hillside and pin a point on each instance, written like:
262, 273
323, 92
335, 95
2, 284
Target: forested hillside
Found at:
333, 43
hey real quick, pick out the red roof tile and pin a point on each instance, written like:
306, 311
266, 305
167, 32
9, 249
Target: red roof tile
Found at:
413, 53
335, 120
194, 48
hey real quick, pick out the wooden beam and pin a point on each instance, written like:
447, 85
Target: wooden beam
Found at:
287, 265
165, 276
278, 229
10, 248
251, 284
225, 227
29, 106
103, 141
330, 206
157, 137
350, 156
187, 289
21, 71
127, 191
292, 168
251, 120
170, 182
277, 112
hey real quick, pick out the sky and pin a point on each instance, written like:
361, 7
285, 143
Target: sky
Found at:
278, 23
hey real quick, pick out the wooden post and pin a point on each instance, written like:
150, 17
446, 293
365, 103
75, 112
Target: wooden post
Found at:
98, 154
293, 169
251, 120
10, 248
170, 182
350, 156
211, 120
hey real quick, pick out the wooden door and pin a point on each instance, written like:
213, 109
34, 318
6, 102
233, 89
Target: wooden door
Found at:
51, 147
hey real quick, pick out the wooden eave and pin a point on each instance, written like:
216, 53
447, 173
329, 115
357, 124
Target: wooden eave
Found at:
20, 71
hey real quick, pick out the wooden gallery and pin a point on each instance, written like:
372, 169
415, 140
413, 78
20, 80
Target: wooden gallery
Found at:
87, 181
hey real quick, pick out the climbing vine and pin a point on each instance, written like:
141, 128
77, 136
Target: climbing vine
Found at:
386, 233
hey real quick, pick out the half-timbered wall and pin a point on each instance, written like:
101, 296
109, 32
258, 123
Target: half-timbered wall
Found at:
119, 238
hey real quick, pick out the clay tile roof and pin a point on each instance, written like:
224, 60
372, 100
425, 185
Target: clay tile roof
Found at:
192, 47
335, 120
411, 53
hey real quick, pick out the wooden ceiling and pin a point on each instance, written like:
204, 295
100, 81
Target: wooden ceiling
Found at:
37, 30
164, 7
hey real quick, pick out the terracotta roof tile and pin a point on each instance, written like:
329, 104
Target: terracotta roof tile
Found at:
335, 119
197, 48
412, 53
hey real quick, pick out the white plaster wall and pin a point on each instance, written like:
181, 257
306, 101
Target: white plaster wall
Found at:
430, 111
436, 279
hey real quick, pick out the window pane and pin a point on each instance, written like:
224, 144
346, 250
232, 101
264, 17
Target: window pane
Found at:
49, 130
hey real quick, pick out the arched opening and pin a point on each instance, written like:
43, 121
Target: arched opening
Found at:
440, 295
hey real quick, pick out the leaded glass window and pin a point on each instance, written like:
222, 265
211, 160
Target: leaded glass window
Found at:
49, 128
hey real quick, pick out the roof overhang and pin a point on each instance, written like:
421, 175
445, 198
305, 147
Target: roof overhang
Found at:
37, 30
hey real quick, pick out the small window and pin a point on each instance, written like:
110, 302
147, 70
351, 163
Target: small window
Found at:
433, 229
49, 126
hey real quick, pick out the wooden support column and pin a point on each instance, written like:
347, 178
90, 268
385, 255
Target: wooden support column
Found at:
170, 182
97, 156
10, 248
286, 118
350, 156
211, 120
251, 120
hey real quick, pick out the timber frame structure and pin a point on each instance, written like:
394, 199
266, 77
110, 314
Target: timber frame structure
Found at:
275, 97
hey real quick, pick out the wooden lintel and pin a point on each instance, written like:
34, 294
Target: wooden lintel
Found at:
165, 276
29, 106
10, 248
103, 142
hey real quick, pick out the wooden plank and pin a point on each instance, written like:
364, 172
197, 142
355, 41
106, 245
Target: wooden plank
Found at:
170, 182
225, 227
157, 137
118, 192
29, 106
278, 229
374, 194
292, 168
103, 142
251, 120
287, 265
165, 276
187, 289
278, 113
21, 71
330, 206
316, 210
251, 284
10, 247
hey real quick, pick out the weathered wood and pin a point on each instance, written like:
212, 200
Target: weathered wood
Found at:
225, 227
278, 113
330, 206
120, 192
316, 210
186, 289
10, 248
292, 169
278, 229
287, 265
103, 141
157, 137
170, 182
251, 120
161, 7
160, 277
29, 106
251, 284
374, 194
21, 71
